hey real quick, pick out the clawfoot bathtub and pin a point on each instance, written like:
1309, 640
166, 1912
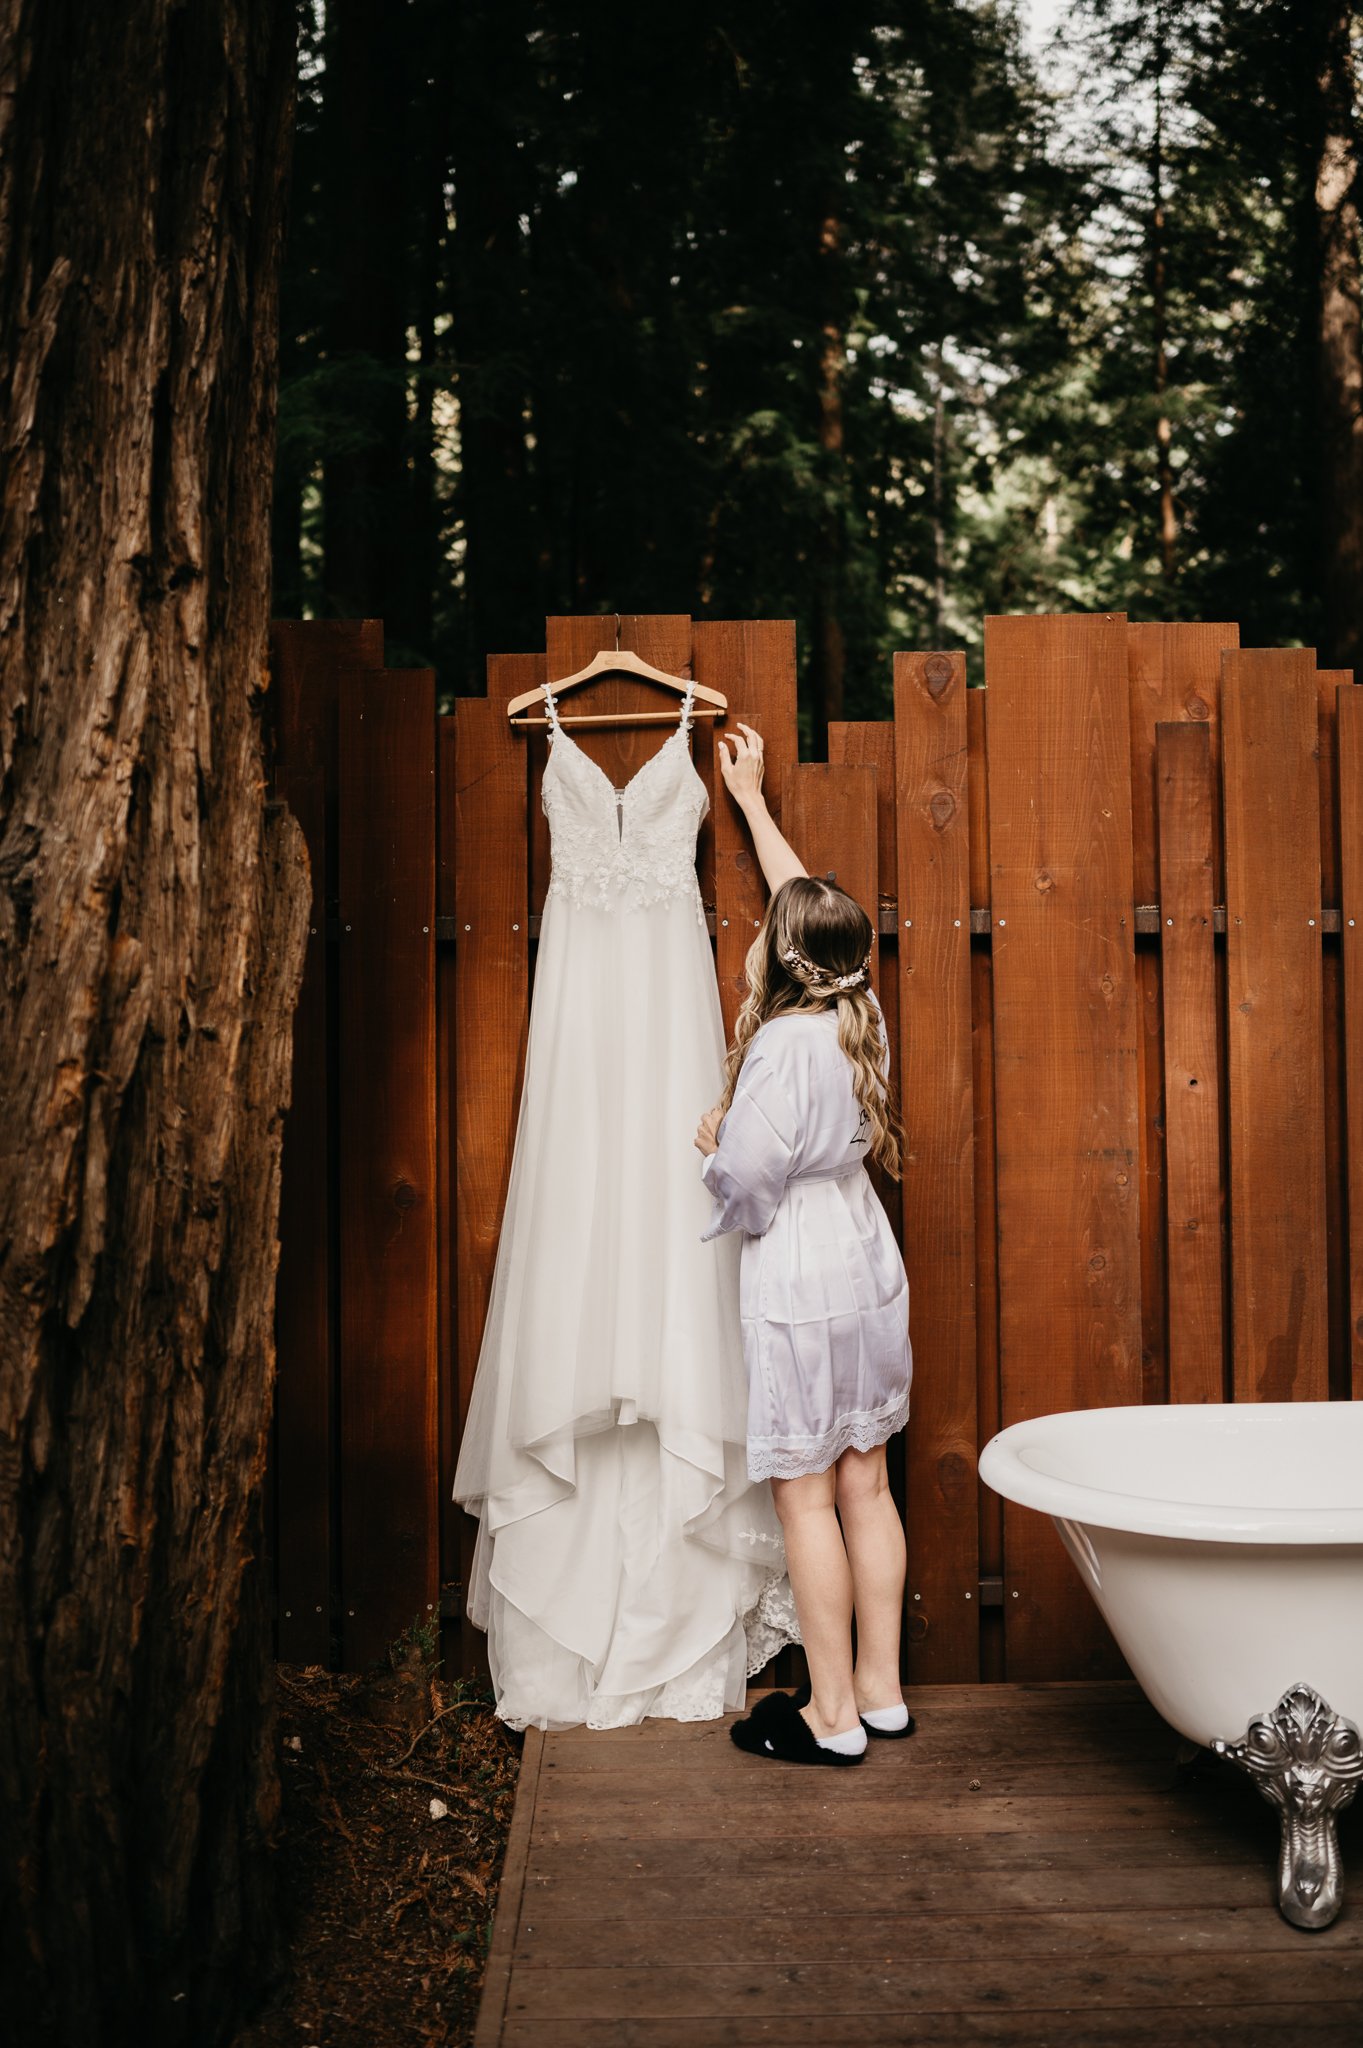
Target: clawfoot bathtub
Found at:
1224, 1547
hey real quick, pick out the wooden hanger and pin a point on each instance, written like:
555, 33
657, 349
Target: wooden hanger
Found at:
620, 661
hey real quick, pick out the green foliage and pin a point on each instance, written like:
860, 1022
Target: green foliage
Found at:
789, 310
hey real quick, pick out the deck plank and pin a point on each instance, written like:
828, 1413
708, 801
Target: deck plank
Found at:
665, 1889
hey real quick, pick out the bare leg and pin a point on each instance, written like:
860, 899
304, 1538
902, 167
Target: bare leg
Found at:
875, 1549
821, 1581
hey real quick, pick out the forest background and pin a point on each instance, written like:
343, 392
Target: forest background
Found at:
877, 317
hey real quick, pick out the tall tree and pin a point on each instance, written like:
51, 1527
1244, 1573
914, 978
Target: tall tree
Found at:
152, 917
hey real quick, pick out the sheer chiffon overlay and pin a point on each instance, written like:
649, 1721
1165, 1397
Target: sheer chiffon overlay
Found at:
625, 1564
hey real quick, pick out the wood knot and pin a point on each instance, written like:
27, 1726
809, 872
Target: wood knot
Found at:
936, 674
942, 808
405, 1195
1195, 708
917, 1627
1043, 880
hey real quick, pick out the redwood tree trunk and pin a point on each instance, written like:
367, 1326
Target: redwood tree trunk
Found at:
1339, 346
151, 924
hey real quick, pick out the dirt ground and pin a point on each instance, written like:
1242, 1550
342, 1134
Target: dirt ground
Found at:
387, 1900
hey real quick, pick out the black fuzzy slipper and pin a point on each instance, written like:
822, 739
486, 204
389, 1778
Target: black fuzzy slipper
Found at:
776, 1728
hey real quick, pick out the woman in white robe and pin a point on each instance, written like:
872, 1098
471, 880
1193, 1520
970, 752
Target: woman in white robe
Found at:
823, 1293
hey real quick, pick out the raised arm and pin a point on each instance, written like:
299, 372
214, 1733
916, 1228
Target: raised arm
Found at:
742, 772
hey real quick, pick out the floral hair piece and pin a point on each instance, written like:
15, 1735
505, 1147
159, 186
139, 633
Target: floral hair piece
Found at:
818, 979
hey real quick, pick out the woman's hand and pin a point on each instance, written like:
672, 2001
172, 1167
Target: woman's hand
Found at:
707, 1132
742, 771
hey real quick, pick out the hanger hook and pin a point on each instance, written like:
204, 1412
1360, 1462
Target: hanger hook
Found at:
617, 632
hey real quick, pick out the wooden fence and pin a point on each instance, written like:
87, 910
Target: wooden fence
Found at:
1116, 893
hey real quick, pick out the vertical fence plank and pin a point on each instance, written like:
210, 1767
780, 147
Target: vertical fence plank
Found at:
491, 1011
988, 1394
1174, 675
1271, 797
1350, 802
1328, 683
937, 1092
828, 813
306, 659
870, 744
387, 1383
1196, 1253
1065, 1051
753, 662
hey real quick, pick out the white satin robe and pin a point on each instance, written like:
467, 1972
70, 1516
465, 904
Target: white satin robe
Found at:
823, 1295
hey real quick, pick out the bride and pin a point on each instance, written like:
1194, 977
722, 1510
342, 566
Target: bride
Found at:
625, 1565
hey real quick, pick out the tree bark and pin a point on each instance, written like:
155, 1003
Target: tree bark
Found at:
1339, 355
152, 917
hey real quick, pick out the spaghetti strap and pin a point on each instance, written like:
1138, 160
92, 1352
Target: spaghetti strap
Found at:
551, 709
686, 720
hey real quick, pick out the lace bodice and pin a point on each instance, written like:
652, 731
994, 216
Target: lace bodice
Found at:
623, 848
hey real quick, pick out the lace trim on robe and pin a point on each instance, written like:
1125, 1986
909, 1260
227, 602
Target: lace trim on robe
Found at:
792, 1457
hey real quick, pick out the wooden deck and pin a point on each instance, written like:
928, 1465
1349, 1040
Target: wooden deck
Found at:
1029, 1868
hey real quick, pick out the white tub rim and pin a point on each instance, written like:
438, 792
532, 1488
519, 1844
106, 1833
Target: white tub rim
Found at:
1004, 1467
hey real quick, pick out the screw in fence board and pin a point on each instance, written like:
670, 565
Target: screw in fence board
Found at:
1192, 1083
1271, 804
936, 1088
306, 659
1065, 1051
389, 1544
1350, 779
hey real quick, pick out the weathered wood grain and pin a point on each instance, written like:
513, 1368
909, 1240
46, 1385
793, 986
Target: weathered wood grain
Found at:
937, 1097
1065, 1051
1255, 2025
1271, 802
387, 1449
675, 1890
1192, 1092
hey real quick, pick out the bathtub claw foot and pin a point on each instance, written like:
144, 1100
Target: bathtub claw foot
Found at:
1306, 1760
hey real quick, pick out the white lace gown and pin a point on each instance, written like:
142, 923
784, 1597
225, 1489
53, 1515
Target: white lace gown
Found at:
625, 1564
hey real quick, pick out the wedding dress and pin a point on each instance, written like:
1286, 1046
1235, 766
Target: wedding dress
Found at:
625, 1565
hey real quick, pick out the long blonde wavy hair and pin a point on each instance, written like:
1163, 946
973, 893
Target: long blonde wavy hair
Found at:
813, 934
